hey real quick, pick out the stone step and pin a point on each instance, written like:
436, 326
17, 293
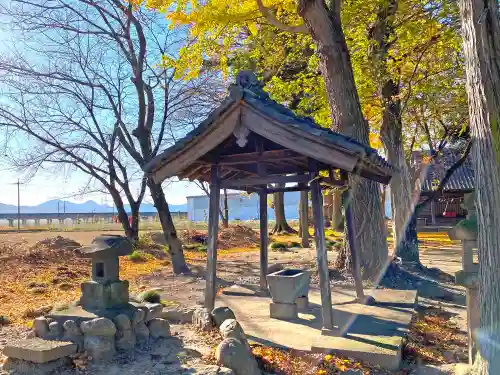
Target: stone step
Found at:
38, 350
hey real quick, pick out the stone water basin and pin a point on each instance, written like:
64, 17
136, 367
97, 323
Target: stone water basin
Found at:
288, 284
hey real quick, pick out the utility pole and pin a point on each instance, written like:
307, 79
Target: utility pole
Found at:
18, 206
18, 183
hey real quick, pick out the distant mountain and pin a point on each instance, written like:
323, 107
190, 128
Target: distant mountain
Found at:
7, 208
56, 205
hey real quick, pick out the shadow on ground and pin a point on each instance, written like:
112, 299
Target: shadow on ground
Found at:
431, 283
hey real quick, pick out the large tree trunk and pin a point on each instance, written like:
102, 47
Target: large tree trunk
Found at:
406, 246
335, 65
281, 225
131, 229
174, 244
391, 132
481, 33
337, 215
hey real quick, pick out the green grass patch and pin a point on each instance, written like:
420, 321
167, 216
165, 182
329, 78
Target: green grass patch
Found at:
151, 296
138, 256
196, 247
295, 244
144, 241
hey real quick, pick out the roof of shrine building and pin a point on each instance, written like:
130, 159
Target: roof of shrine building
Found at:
461, 181
249, 116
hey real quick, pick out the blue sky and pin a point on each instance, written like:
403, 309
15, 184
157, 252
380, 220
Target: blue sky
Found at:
46, 186
49, 185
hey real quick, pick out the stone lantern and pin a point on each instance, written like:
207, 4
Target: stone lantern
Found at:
466, 232
105, 290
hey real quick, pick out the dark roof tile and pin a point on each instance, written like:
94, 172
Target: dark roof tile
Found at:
461, 180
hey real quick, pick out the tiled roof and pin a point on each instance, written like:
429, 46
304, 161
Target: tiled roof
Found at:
252, 94
462, 178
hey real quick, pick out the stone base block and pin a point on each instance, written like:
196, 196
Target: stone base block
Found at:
38, 350
283, 310
97, 296
302, 303
20, 366
178, 314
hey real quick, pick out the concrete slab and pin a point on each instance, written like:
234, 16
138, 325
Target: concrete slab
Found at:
38, 350
372, 333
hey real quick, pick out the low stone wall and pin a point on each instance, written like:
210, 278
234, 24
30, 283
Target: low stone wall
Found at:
233, 351
101, 337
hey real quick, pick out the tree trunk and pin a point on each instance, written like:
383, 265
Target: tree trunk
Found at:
225, 217
131, 231
391, 131
279, 213
337, 215
481, 33
134, 219
335, 64
407, 248
401, 190
174, 244
383, 197
327, 208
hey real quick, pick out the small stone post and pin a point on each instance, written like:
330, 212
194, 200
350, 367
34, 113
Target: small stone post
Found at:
466, 231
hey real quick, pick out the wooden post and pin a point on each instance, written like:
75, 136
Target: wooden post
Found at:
304, 218
213, 231
263, 239
433, 212
262, 171
322, 260
356, 272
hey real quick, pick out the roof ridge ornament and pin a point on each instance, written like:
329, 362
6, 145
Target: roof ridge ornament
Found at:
247, 80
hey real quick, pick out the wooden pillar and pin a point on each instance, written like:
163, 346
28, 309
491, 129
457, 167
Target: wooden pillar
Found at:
213, 231
433, 212
263, 238
356, 272
319, 235
304, 218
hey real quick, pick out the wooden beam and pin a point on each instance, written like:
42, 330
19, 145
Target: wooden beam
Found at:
264, 180
321, 255
332, 182
213, 232
288, 189
254, 157
263, 239
304, 217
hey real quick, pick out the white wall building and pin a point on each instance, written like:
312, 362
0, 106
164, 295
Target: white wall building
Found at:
241, 206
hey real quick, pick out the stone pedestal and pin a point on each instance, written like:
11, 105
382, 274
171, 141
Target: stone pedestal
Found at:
473, 317
98, 296
466, 231
302, 303
287, 287
283, 310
